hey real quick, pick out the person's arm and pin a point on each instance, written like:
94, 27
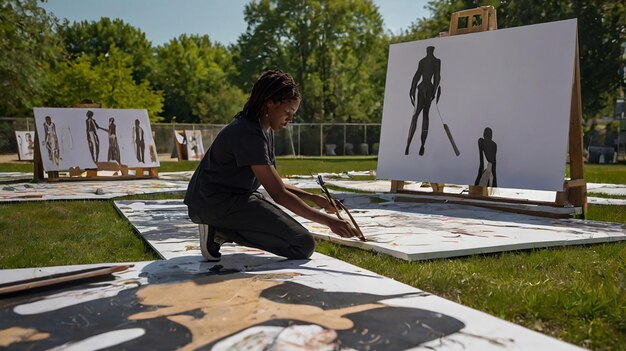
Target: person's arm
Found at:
481, 166
437, 77
275, 187
319, 200
493, 167
416, 77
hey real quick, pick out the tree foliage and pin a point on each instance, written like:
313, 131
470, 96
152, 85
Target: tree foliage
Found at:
329, 46
601, 32
28, 52
193, 72
106, 80
336, 50
96, 38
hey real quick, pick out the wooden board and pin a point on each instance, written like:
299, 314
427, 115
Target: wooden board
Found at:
61, 278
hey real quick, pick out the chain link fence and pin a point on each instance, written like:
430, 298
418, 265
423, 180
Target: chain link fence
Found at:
300, 139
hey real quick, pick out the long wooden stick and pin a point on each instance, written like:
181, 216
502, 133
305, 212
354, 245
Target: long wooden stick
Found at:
60, 278
332, 201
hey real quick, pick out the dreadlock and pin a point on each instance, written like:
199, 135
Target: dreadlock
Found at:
274, 85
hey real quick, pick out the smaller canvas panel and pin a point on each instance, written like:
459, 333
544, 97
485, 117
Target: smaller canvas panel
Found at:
195, 148
25, 145
86, 137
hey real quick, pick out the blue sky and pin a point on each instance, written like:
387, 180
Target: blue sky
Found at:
222, 20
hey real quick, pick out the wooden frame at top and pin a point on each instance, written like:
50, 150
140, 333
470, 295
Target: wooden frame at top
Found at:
574, 190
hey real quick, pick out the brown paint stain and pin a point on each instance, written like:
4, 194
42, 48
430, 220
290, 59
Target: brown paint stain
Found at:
231, 304
15, 335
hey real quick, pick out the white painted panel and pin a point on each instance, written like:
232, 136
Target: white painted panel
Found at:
515, 81
69, 138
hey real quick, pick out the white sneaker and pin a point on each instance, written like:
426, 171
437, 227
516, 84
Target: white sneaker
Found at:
209, 248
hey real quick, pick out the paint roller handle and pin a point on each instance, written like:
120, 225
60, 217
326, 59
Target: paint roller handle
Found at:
456, 149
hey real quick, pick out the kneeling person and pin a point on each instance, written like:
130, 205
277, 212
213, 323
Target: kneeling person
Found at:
223, 192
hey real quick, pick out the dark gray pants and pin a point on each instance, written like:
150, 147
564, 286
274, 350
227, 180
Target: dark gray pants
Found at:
253, 221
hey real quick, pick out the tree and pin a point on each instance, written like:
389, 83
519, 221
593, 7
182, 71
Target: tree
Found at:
601, 32
28, 50
194, 74
329, 46
108, 81
97, 38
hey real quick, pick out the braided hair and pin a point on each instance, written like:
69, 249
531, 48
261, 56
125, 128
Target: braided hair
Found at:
274, 85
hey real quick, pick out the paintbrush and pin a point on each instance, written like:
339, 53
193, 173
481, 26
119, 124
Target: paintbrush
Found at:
334, 203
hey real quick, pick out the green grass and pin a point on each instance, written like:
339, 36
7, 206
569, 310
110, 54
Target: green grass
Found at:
306, 166
178, 166
287, 166
35, 234
16, 167
607, 196
606, 173
611, 173
573, 293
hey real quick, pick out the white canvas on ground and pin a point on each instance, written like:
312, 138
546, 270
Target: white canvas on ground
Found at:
504, 96
250, 301
85, 137
195, 148
25, 145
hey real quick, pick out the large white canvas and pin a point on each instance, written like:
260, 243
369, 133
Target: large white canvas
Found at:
195, 147
68, 141
25, 145
517, 81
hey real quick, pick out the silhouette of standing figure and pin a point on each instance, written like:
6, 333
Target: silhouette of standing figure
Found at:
428, 71
140, 145
51, 141
92, 136
194, 147
114, 148
487, 148
30, 147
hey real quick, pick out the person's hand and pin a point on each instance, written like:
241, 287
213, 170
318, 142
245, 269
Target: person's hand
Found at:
343, 228
322, 202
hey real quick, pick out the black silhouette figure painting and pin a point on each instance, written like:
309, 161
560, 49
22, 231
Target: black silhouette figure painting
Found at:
114, 148
92, 136
194, 146
423, 90
51, 140
487, 149
260, 312
30, 145
138, 138
25, 145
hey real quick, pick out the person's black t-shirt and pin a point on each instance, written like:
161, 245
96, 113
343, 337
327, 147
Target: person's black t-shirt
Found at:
226, 166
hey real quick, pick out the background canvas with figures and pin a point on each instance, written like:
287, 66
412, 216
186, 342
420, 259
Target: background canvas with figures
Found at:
86, 137
25, 145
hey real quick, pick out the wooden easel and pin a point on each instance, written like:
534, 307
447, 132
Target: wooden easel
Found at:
75, 173
181, 149
574, 190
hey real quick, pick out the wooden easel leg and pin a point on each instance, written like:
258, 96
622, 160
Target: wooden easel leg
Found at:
476, 190
396, 185
37, 162
576, 196
437, 187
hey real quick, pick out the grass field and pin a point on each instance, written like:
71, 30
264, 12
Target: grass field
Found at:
574, 293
